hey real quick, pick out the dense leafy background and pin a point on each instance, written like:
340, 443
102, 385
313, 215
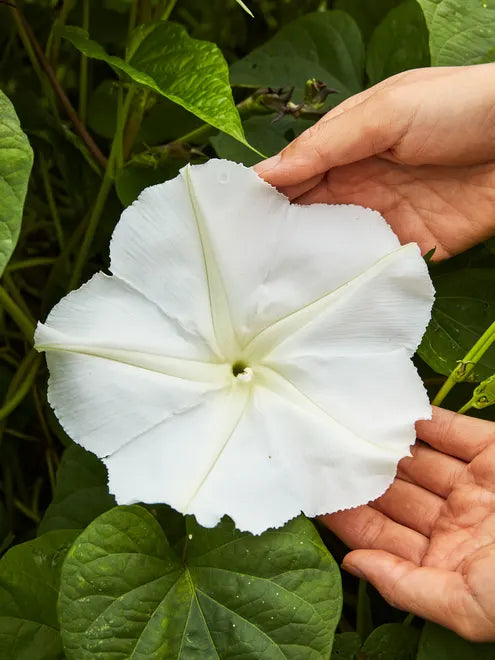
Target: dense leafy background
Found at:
113, 96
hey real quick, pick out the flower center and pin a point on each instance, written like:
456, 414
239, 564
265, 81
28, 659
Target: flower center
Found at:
241, 371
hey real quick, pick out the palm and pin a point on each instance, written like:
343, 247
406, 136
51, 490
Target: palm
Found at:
464, 529
436, 206
430, 540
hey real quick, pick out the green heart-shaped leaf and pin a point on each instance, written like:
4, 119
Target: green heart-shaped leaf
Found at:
189, 72
222, 593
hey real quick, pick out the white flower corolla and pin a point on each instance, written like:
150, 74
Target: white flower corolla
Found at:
247, 356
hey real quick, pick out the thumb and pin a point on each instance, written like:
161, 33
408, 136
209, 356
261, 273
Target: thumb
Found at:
431, 593
345, 135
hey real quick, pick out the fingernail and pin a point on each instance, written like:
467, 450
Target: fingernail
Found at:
268, 164
353, 571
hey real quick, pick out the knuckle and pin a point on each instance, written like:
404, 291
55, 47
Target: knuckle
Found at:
372, 529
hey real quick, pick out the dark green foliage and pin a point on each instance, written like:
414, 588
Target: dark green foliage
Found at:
464, 308
125, 592
398, 43
438, 643
155, 85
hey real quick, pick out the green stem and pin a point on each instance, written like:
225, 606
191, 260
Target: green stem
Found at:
27, 512
408, 620
169, 8
94, 218
134, 122
53, 45
51, 202
17, 315
26, 42
104, 191
246, 108
146, 11
467, 406
465, 366
119, 146
132, 16
30, 263
83, 71
29, 38
363, 611
16, 296
11, 404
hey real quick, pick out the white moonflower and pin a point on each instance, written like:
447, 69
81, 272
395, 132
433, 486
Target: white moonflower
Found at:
247, 356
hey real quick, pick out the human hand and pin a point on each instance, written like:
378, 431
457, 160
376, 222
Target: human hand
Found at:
419, 147
428, 544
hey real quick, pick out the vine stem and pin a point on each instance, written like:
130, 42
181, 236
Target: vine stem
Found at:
467, 364
101, 198
246, 108
51, 202
26, 383
362, 612
30, 263
17, 315
83, 69
28, 37
169, 8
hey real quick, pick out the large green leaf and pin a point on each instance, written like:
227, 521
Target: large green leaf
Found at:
392, 641
366, 14
323, 45
81, 493
461, 31
264, 134
126, 593
399, 43
464, 308
16, 160
189, 72
29, 580
438, 643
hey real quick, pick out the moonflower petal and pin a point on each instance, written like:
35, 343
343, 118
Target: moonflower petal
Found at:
247, 357
156, 248
113, 365
286, 457
275, 257
108, 312
104, 404
384, 308
172, 462
388, 394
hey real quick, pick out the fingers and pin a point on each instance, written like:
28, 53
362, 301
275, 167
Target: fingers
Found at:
292, 192
431, 469
365, 527
343, 136
411, 506
431, 593
457, 435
